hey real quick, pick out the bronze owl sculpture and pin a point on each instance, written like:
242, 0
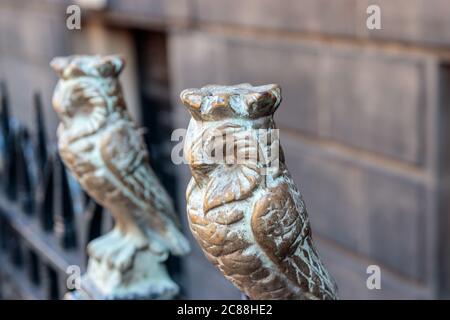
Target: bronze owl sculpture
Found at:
247, 214
102, 147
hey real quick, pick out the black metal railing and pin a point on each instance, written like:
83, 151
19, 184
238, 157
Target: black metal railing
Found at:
45, 218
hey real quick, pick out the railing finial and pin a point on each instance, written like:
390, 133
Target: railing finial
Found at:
46, 197
41, 147
24, 180
65, 210
4, 109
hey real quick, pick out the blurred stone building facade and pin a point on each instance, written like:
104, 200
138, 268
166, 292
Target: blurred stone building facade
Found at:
364, 120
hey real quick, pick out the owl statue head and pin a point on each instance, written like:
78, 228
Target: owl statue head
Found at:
231, 139
240, 102
88, 89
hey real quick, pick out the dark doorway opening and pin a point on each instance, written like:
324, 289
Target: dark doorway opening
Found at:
156, 113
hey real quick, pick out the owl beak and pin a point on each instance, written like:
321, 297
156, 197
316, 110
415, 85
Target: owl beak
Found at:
199, 178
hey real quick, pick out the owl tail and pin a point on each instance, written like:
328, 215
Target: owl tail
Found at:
174, 240
179, 245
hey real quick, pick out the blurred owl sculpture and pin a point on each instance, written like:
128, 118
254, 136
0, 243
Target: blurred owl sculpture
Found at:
104, 150
244, 210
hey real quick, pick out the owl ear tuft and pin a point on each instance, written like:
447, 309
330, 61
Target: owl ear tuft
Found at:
190, 99
109, 66
59, 64
264, 101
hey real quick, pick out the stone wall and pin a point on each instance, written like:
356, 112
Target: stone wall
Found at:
363, 121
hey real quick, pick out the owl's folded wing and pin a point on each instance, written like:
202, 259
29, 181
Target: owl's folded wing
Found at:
124, 153
281, 228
